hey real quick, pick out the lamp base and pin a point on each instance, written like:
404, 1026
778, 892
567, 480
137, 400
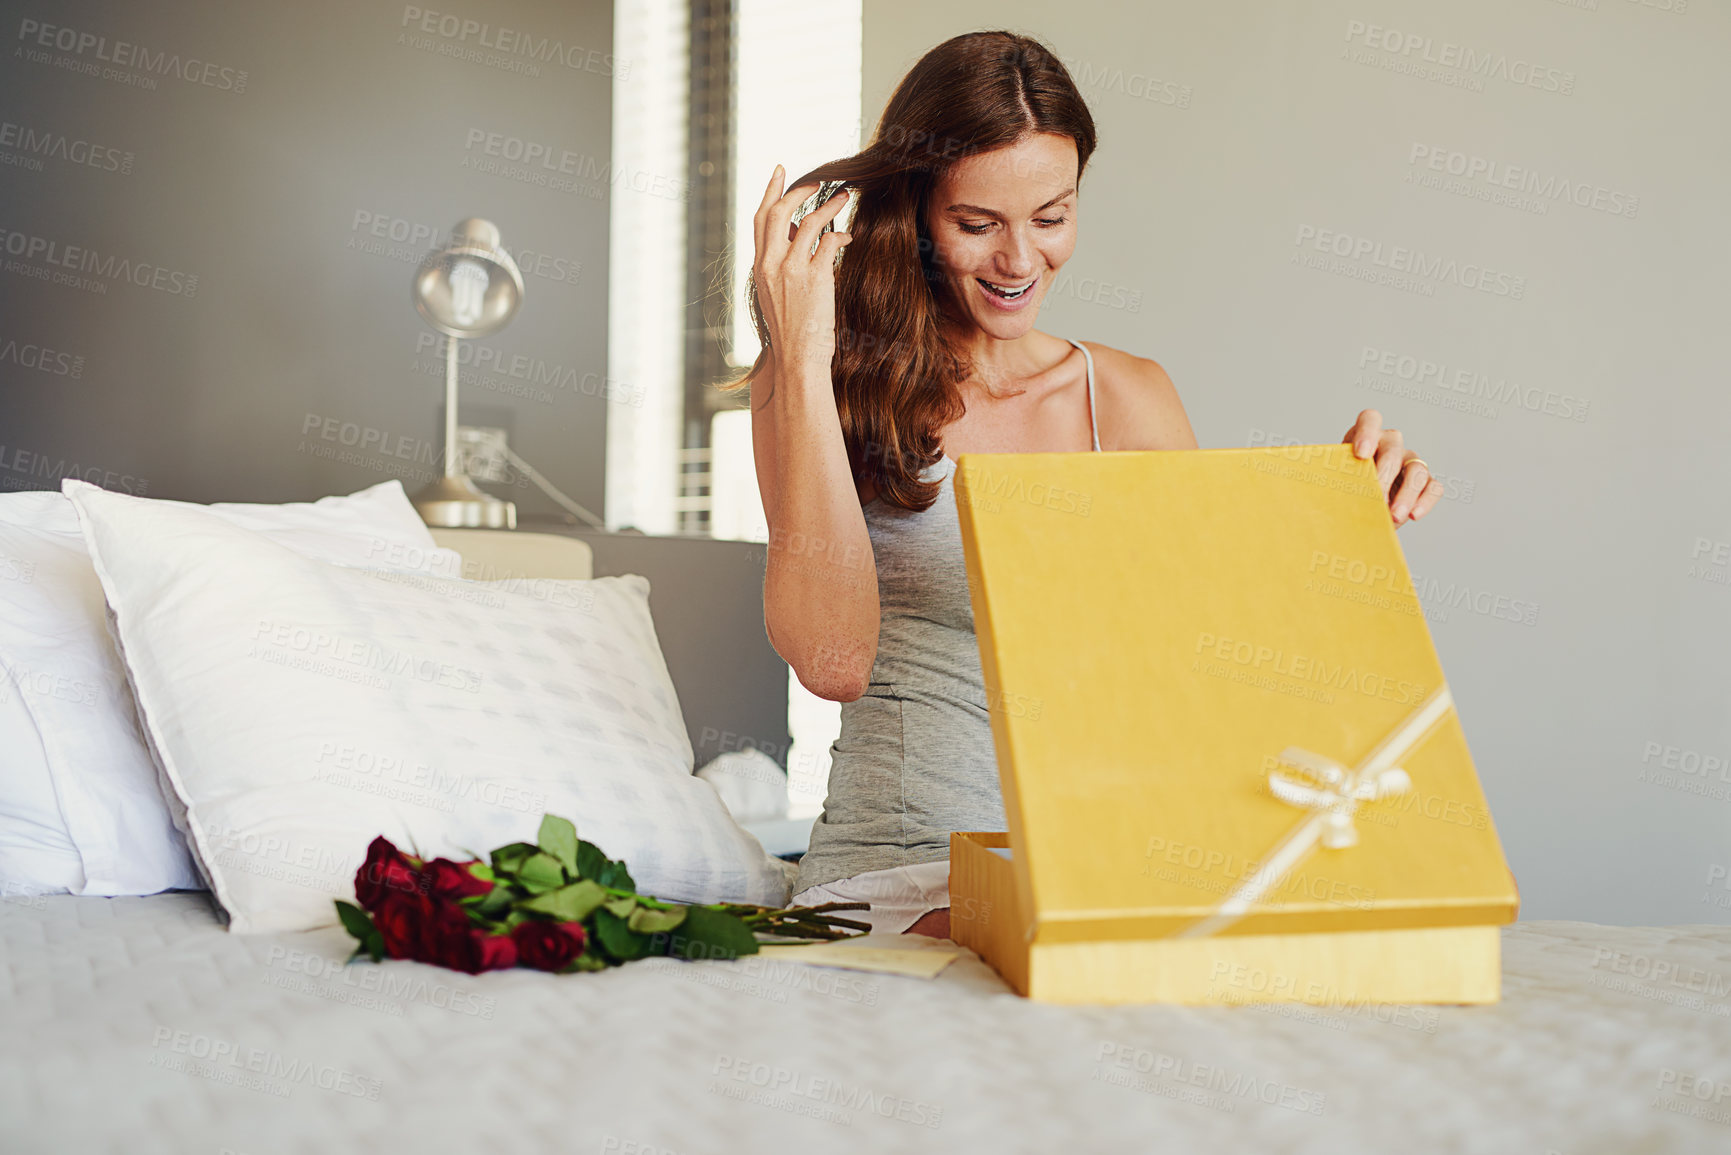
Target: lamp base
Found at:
458, 503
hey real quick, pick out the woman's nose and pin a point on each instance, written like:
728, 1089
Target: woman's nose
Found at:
1016, 258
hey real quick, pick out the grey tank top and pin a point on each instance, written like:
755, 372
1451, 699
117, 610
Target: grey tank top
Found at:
914, 759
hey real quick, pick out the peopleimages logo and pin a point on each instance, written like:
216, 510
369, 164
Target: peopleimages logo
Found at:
364, 654
26, 355
84, 268
534, 371
1400, 266
1710, 561
272, 855
1514, 185
33, 143
801, 1093
369, 231
257, 1068
1276, 662
544, 165
92, 47
54, 470
1229, 1087
1425, 373
525, 47
1443, 596
413, 780
1129, 82
1415, 50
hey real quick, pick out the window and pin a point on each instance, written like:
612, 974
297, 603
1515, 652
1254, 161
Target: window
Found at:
725, 88
646, 272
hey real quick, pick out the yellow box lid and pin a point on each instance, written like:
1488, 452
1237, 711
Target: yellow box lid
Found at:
1157, 631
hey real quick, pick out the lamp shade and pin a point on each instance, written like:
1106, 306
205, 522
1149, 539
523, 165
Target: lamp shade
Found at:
470, 288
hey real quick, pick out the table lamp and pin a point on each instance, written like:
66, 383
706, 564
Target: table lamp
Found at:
470, 288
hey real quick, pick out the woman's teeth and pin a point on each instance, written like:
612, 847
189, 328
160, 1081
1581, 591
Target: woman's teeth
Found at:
1007, 294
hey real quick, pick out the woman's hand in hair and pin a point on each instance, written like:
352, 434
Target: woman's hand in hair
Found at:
794, 273
1407, 484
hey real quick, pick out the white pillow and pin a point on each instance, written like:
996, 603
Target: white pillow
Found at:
299, 709
81, 809
752, 785
36, 853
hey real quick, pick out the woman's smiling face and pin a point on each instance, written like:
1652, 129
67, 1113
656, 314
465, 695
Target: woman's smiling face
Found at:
1002, 223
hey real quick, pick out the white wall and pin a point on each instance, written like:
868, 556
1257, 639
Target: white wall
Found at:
1577, 602
795, 106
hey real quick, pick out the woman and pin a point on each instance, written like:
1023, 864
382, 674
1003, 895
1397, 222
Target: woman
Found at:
877, 372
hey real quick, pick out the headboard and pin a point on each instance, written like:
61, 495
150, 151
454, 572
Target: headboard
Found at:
493, 555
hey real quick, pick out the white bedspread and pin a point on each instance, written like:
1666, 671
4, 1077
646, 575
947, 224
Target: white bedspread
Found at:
139, 1026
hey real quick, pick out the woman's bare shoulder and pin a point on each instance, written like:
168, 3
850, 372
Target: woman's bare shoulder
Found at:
1138, 405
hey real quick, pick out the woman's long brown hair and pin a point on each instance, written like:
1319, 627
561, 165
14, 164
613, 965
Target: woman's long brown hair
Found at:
896, 378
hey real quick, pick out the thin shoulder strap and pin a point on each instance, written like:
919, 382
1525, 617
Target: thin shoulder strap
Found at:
1093, 422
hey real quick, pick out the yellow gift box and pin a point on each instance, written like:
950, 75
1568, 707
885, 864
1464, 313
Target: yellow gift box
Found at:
1231, 767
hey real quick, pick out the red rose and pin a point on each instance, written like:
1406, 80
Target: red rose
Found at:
386, 870
451, 940
548, 946
490, 952
442, 933
452, 880
402, 919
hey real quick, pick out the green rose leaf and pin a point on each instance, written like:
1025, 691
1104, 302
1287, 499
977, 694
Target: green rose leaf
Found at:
621, 906
481, 919
618, 939
648, 920
540, 872
507, 859
567, 904
494, 903
590, 861
558, 837
615, 875
710, 934
356, 922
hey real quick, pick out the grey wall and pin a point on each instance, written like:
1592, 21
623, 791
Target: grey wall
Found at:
297, 160
1576, 577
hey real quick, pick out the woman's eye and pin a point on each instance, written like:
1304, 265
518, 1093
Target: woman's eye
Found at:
1046, 222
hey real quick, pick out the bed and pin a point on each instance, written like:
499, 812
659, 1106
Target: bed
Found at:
139, 1024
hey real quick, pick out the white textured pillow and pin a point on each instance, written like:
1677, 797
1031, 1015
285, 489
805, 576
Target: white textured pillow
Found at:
299, 709
752, 785
81, 809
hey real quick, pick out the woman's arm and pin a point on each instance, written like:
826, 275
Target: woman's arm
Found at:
820, 590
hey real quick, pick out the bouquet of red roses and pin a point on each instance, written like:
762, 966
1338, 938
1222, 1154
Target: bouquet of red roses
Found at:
558, 904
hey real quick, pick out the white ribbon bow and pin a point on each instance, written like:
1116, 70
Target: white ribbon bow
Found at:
1332, 804
1332, 799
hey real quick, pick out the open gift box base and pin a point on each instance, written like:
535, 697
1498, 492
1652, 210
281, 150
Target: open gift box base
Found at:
1430, 964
